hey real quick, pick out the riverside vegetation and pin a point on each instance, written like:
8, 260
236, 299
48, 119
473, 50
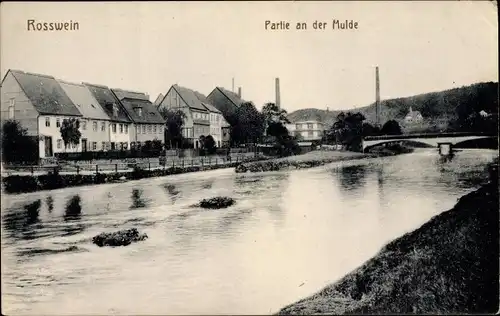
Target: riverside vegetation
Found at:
448, 265
316, 158
54, 180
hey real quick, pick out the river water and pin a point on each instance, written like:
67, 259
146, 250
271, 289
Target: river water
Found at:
289, 235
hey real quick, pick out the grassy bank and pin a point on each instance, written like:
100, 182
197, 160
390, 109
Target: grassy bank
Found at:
51, 181
448, 265
309, 160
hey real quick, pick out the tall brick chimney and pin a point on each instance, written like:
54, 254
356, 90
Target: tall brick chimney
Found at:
278, 98
239, 92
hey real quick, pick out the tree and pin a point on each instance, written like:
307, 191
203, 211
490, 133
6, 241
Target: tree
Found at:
391, 127
174, 120
273, 113
209, 144
370, 130
70, 132
347, 130
276, 129
247, 124
17, 145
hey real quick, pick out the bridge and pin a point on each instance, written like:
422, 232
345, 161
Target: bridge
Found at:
440, 140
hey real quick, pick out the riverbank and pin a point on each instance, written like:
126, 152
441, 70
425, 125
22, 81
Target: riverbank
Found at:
51, 181
448, 265
316, 158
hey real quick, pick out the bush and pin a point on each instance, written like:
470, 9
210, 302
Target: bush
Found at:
119, 238
216, 202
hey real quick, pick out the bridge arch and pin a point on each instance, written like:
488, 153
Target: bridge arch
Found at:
393, 141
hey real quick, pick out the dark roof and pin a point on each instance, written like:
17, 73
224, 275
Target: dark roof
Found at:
210, 107
121, 94
107, 100
193, 98
45, 93
150, 113
233, 97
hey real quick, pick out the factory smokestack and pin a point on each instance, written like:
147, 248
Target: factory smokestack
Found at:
278, 98
377, 97
232, 88
239, 92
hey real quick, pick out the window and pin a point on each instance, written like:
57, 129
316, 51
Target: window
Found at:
59, 143
149, 129
126, 129
58, 122
84, 125
154, 129
47, 122
138, 111
103, 145
94, 126
309, 126
103, 126
125, 146
113, 128
12, 108
160, 129
144, 129
310, 133
138, 129
121, 128
94, 146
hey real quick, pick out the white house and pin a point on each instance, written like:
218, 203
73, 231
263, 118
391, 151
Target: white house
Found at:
40, 105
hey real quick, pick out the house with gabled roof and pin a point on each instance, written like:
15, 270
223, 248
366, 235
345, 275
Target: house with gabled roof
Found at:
40, 104
119, 121
217, 121
94, 125
147, 121
190, 102
225, 101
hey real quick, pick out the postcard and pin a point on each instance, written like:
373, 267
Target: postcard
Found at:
249, 157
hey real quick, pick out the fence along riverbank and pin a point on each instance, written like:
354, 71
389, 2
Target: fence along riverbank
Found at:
22, 183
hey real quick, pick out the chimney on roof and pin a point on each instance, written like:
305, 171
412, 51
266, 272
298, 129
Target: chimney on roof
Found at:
239, 92
278, 99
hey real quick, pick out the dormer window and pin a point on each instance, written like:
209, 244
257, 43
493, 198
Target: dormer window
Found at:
138, 111
115, 110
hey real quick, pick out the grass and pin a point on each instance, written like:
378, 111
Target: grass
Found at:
448, 265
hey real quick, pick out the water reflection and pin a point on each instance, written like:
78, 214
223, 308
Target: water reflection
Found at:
50, 203
351, 177
137, 200
173, 192
32, 211
73, 210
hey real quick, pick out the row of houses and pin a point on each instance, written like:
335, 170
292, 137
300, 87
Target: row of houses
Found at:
110, 119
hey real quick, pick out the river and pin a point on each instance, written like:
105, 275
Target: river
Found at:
290, 234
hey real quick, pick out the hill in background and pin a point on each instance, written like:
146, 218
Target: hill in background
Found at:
438, 108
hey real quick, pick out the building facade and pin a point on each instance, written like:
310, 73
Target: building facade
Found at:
148, 124
413, 117
94, 124
120, 124
190, 102
40, 105
307, 130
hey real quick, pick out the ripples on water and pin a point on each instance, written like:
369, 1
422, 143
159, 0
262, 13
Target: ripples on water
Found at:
289, 234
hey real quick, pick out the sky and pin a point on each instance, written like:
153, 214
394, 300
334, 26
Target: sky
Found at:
148, 46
